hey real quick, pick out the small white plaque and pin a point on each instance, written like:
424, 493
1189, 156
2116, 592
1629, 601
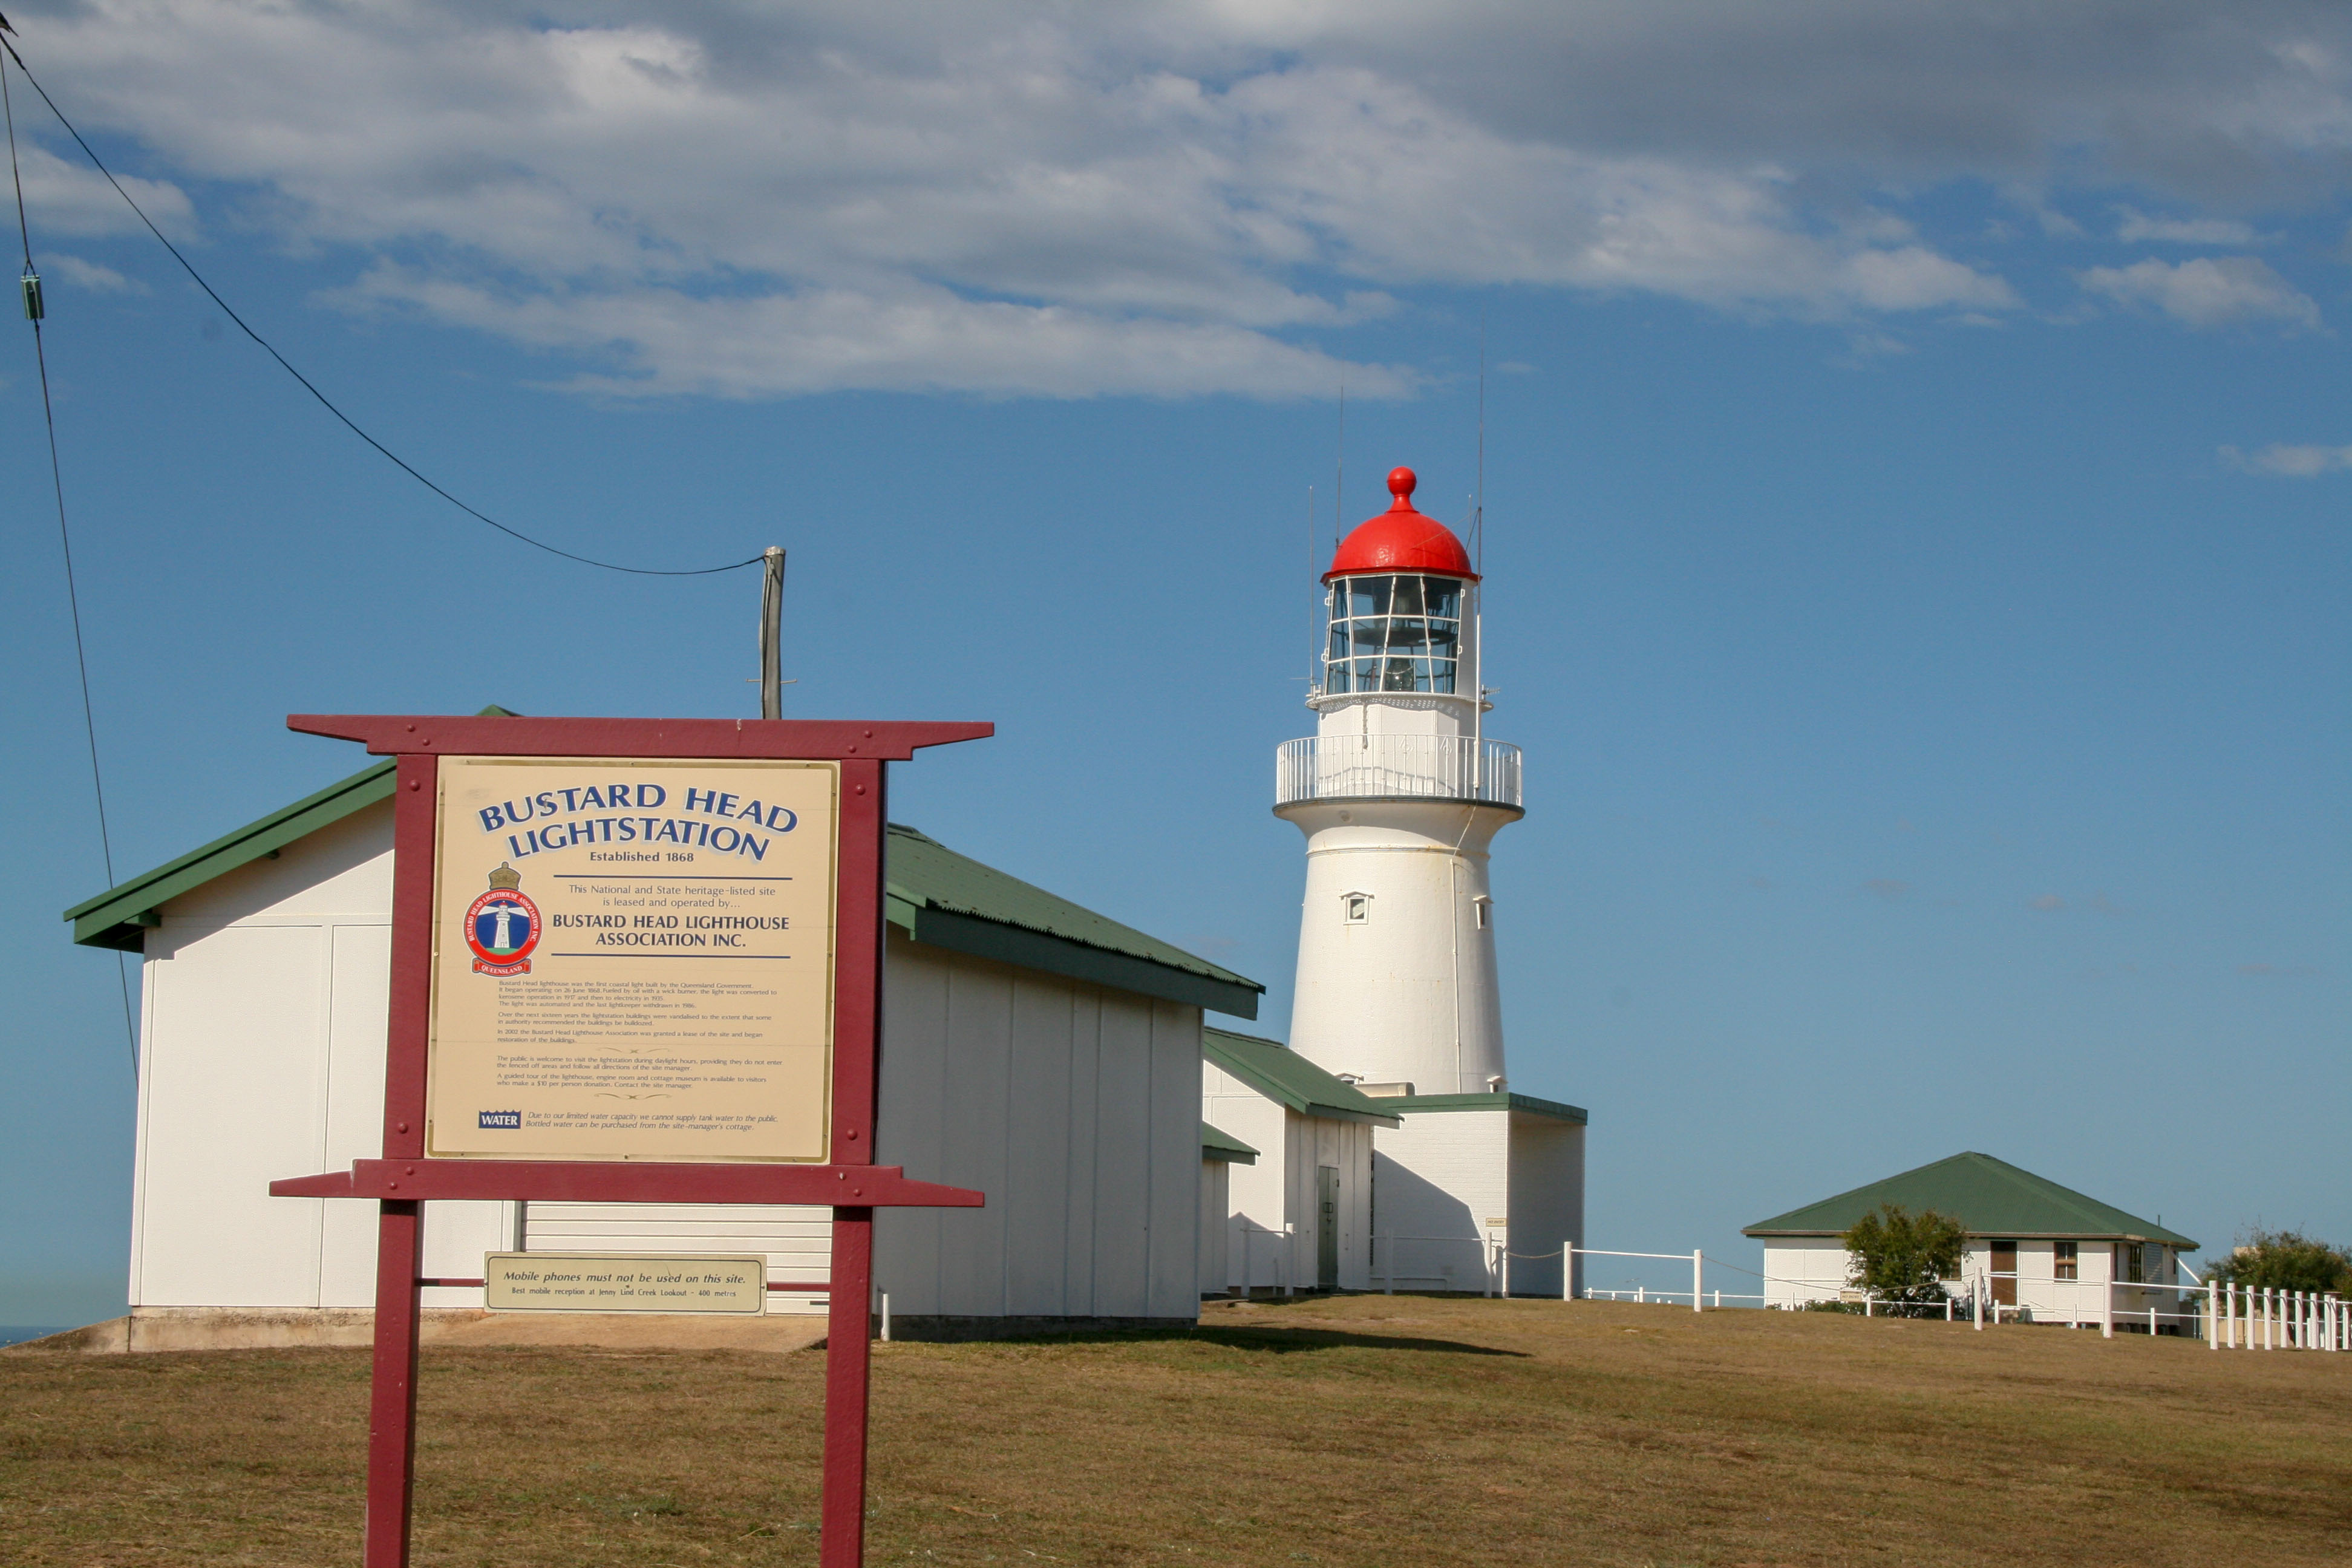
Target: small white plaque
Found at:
625, 1282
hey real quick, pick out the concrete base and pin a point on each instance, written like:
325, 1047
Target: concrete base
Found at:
159, 1329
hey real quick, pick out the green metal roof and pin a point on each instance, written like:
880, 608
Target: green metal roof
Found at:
1218, 1144
1528, 1103
1989, 1197
1282, 1075
948, 899
119, 917
933, 894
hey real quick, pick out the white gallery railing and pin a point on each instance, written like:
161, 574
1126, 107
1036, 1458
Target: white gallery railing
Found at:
1414, 767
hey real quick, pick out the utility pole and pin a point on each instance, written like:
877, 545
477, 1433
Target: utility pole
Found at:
772, 634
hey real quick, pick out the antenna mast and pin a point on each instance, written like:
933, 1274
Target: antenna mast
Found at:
1478, 505
1479, 565
1314, 640
1340, 477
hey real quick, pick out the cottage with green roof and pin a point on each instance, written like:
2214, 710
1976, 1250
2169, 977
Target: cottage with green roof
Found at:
1041, 1052
2045, 1253
1301, 1217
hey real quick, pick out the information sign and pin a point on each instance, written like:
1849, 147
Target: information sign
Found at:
624, 1282
632, 959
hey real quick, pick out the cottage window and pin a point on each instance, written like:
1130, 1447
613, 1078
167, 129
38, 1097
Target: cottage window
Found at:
2063, 1263
2130, 1263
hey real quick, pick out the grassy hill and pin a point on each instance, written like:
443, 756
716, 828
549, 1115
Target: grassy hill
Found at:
1366, 1430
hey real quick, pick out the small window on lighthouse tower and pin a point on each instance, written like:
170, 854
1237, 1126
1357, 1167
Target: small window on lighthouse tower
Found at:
1358, 907
1483, 912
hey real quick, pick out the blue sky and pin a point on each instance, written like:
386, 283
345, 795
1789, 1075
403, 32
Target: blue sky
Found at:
1916, 474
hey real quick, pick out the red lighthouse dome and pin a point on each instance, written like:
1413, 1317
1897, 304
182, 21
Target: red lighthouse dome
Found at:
1401, 539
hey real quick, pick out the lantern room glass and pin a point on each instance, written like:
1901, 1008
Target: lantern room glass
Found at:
1393, 632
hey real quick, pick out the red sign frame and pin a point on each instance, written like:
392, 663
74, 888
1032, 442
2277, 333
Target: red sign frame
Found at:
403, 1180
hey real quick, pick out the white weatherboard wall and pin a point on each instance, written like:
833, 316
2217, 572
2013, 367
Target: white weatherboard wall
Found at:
1257, 1212
1216, 1193
1273, 1215
262, 1057
796, 1239
1075, 1108
1436, 1181
1547, 1175
1798, 1269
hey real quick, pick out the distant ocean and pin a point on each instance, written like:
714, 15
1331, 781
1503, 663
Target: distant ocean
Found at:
17, 1333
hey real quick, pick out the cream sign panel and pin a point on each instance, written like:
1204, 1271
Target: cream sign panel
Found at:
632, 960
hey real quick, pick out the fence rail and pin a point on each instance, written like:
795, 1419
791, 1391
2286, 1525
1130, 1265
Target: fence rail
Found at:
2228, 1317
2237, 1316
1387, 767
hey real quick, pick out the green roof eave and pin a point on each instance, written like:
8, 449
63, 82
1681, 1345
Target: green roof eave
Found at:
1216, 1143
1283, 1076
1026, 949
946, 900
1989, 1197
119, 917
1526, 1103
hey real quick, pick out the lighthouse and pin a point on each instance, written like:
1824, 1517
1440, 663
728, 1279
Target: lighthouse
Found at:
1401, 793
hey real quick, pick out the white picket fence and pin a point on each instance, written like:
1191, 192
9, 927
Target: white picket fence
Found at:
2243, 1318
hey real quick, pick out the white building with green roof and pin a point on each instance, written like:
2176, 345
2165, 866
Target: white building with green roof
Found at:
1301, 1215
2045, 1253
1038, 1051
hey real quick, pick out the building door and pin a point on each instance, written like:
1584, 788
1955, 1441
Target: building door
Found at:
2004, 1273
1327, 1228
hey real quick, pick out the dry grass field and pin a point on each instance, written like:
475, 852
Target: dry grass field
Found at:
1366, 1430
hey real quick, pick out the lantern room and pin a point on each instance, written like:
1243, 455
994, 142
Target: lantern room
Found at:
1399, 593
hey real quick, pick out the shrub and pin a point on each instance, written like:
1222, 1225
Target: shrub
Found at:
2286, 1260
1902, 1258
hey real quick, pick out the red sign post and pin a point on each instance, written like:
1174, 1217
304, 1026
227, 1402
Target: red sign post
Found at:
847, 1181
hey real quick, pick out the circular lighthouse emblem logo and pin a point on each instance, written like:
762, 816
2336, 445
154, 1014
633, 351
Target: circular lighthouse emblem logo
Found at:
503, 926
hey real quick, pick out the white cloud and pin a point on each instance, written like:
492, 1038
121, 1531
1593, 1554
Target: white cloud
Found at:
2208, 291
63, 197
1180, 196
89, 275
2135, 227
2281, 461
1914, 278
668, 342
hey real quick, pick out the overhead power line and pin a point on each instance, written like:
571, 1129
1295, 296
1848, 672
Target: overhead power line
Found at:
33, 312
324, 401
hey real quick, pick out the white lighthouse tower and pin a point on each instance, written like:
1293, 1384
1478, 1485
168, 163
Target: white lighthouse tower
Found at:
1400, 793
